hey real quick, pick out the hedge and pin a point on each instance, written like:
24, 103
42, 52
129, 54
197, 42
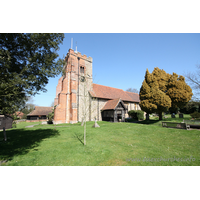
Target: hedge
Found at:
136, 114
195, 115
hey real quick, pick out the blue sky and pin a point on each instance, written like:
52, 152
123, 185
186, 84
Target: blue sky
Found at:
120, 60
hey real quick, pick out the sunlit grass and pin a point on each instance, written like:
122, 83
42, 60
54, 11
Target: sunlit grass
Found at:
110, 145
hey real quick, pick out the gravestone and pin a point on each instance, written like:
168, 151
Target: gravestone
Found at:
173, 115
180, 115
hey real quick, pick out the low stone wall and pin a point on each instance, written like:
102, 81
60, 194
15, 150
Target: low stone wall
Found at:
41, 120
174, 125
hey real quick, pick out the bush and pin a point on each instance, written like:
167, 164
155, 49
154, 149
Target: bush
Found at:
136, 114
14, 124
140, 115
132, 114
195, 115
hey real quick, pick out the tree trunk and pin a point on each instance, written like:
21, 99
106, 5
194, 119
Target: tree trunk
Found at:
160, 116
147, 116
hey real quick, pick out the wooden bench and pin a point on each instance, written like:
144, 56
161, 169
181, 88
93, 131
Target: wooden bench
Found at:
175, 125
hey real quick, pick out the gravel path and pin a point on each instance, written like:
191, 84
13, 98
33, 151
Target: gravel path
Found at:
31, 126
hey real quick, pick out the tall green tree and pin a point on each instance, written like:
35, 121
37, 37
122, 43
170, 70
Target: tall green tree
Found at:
27, 61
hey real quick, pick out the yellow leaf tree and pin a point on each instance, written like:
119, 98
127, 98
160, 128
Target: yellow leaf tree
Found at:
152, 93
161, 91
179, 92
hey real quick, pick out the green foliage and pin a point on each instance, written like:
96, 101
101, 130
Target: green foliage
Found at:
191, 107
152, 95
132, 114
14, 124
140, 115
28, 108
111, 144
50, 116
179, 92
136, 114
195, 115
27, 61
161, 91
15, 117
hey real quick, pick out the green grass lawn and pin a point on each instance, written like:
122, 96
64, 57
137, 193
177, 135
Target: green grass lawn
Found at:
122, 144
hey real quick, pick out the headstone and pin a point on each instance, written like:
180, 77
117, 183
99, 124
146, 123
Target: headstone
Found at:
180, 115
173, 115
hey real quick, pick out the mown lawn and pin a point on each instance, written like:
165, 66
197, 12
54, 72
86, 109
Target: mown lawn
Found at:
113, 144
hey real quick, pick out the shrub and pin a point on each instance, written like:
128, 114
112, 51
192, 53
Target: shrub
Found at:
195, 115
132, 114
50, 117
140, 115
14, 124
136, 114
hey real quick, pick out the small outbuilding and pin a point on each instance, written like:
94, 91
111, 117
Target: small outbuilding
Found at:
39, 113
6, 121
114, 111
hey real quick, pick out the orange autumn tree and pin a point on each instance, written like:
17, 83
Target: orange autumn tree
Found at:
161, 91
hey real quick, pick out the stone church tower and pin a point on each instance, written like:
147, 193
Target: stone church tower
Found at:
72, 97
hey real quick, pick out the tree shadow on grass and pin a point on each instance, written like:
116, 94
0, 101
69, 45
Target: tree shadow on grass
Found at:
150, 121
20, 141
80, 138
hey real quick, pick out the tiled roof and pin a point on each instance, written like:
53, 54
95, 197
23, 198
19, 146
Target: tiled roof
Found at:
134, 96
105, 92
40, 111
19, 114
111, 104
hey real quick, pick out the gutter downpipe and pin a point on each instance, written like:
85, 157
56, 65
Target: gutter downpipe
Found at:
78, 92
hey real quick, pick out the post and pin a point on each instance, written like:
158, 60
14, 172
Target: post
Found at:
4, 132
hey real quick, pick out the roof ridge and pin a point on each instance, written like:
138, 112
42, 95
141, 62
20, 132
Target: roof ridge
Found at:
117, 102
44, 106
132, 92
108, 86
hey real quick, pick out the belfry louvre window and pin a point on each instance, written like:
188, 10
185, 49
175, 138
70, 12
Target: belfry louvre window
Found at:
82, 70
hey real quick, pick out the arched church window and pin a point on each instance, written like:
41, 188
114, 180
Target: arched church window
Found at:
82, 70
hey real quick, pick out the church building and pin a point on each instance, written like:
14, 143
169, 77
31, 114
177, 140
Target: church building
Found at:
78, 98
